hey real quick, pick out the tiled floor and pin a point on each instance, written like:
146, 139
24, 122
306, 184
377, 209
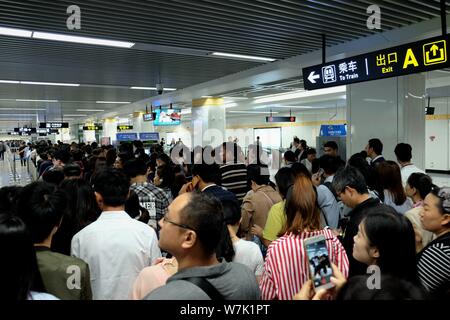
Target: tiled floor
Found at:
6, 173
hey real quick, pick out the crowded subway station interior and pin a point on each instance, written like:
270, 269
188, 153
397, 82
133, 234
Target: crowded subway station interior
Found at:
224, 150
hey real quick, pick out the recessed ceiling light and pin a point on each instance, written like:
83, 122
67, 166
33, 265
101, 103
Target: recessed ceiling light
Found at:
31, 100
90, 110
9, 81
15, 32
284, 107
299, 94
113, 102
230, 105
152, 88
83, 40
242, 56
24, 109
50, 84
252, 112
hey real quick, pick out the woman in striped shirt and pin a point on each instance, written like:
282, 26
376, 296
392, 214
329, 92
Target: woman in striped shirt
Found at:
434, 259
287, 266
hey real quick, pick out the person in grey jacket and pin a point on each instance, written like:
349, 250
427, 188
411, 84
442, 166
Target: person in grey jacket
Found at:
191, 232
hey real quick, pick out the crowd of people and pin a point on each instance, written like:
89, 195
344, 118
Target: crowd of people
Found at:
109, 223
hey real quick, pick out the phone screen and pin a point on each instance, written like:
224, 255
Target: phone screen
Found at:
319, 263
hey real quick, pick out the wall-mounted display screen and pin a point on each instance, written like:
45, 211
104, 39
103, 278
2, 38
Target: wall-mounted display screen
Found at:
167, 117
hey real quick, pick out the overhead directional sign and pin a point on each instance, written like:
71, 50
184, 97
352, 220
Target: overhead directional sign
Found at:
53, 125
425, 55
93, 128
280, 119
124, 127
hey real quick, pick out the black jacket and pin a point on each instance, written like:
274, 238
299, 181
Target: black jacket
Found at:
351, 229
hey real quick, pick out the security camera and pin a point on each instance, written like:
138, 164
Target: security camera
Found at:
159, 88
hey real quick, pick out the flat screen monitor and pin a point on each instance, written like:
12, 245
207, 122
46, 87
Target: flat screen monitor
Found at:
167, 117
149, 116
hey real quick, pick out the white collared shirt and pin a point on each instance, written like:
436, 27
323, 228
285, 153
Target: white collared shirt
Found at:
380, 156
117, 248
211, 185
407, 170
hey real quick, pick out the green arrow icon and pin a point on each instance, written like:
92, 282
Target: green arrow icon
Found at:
434, 48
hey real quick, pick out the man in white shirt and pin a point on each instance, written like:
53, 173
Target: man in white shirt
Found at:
403, 152
116, 247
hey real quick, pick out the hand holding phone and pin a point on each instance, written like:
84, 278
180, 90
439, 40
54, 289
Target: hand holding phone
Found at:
320, 269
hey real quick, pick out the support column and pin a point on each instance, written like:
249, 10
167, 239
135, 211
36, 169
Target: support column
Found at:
392, 110
110, 129
208, 122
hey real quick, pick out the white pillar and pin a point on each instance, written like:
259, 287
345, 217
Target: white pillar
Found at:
110, 129
208, 122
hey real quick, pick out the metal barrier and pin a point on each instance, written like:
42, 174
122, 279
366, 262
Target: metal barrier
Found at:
9, 155
32, 170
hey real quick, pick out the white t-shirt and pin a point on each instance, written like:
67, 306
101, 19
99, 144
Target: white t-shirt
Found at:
117, 248
406, 171
249, 254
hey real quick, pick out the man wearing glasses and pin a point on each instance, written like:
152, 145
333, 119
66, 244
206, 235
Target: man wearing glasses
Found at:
191, 231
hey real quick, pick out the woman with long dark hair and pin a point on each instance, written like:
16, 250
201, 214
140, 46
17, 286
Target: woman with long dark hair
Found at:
21, 279
82, 209
286, 267
386, 239
390, 186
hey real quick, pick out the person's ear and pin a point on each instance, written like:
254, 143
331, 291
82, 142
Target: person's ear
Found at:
189, 239
99, 199
374, 253
445, 222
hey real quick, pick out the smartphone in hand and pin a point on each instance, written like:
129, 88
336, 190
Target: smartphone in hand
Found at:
320, 269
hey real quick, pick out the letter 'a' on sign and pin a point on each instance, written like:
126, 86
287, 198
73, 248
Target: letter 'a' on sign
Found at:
410, 59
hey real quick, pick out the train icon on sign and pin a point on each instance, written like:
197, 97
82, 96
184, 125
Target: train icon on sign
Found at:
329, 74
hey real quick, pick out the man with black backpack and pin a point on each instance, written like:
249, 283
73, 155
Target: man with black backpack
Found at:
191, 231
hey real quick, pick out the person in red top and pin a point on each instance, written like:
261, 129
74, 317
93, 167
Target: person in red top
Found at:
287, 268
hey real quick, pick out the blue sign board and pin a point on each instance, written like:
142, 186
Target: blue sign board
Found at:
333, 130
149, 136
126, 136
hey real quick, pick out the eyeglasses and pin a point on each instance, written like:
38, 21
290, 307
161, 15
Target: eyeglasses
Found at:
444, 195
177, 224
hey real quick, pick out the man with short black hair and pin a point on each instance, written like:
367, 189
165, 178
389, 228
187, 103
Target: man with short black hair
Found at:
41, 207
351, 188
403, 152
206, 179
72, 171
116, 246
152, 198
191, 232
310, 157
331, 148
374, 151
289, 158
